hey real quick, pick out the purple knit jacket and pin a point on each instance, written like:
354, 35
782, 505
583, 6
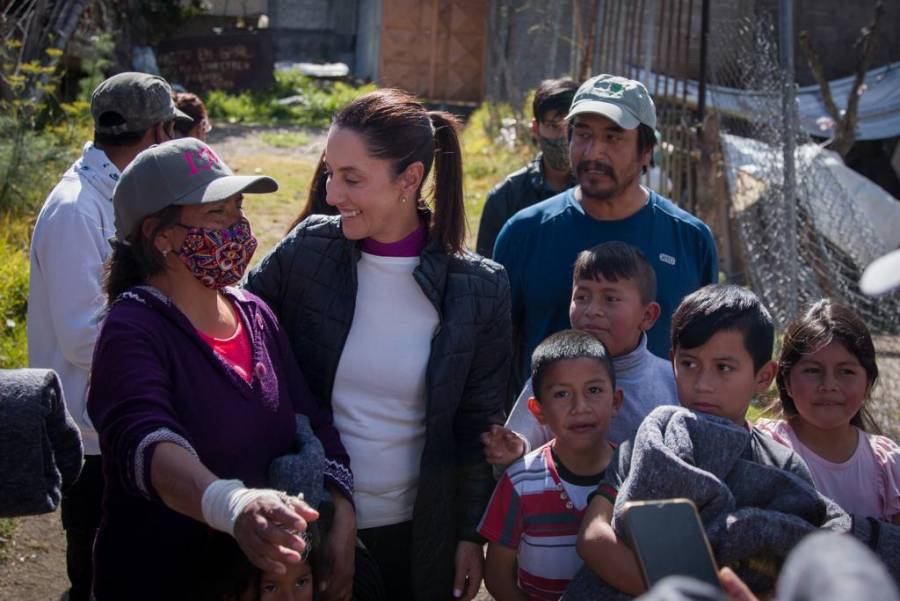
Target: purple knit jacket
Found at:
154, 379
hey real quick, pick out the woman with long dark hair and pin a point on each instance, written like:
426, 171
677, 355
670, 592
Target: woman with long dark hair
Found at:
194, 388
406, 333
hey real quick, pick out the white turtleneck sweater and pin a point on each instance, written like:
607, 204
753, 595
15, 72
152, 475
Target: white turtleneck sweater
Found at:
379, 388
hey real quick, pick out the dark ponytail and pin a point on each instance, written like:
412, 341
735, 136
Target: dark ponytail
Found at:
449, 224
315, 197
137, 259
397, 127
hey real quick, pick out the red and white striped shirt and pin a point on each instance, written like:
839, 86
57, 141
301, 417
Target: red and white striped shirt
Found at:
538, 513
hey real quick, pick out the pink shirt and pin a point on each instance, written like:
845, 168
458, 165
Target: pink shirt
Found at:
867, 484
234, 350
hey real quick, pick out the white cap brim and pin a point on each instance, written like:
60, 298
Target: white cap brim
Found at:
882, 275
621, 116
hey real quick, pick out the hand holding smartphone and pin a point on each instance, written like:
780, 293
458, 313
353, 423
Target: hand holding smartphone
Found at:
668, 539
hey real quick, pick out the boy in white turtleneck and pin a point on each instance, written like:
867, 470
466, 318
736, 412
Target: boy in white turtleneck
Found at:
613, 299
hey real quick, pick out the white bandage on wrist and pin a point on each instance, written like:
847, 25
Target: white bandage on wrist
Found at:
224, 500
219, 504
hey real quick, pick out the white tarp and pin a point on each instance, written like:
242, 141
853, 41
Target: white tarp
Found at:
878, 112
856, 214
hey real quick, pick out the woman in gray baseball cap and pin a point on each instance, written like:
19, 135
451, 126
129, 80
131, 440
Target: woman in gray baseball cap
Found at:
194, 387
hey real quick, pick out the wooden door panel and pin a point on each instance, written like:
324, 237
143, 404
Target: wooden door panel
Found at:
434, 48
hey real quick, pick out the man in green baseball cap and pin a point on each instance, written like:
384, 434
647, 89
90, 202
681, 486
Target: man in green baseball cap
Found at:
611, 138
131, 112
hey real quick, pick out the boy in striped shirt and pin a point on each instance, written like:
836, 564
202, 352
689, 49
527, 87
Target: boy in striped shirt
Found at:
534, 515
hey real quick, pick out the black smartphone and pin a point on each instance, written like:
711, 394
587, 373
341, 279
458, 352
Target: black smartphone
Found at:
668, 539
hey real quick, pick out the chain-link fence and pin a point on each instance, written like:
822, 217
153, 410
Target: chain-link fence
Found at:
800, 238
792, 230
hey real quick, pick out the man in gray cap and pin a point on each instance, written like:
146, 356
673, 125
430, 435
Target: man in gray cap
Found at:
611, 139
131, 112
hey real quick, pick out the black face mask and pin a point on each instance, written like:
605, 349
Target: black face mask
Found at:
556, 152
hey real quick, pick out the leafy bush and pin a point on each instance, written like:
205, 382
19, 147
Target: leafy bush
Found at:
13, 290
7, 527
39, 138
494, 147
36, 131
96, 62
311, 102
29, 189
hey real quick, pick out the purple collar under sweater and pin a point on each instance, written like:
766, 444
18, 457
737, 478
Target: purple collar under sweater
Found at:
411, 246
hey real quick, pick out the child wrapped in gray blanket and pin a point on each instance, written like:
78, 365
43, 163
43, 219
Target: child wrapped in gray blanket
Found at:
756, 497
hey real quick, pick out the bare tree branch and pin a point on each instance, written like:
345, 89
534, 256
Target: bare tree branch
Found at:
845, 123
818, 72
866, 43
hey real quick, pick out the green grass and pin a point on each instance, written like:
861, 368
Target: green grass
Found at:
758, 410
16, 223
486, 161
286, 139
7, 526
271, 214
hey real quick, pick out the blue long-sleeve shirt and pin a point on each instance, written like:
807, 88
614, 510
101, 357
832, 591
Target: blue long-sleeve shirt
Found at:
538, 247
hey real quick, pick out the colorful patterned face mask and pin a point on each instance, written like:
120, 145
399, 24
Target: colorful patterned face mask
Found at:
218, 258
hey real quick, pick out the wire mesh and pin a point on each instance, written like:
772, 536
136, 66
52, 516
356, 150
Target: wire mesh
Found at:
833, 236
792, 244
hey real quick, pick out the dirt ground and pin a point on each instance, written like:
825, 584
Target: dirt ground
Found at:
885, 401
35, 569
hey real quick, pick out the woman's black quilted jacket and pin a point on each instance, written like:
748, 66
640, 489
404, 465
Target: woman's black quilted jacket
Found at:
309, 280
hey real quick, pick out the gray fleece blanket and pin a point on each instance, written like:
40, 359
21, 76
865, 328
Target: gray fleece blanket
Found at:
753, 513
304, 470
40, 445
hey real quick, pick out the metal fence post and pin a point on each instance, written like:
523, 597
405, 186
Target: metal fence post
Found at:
704, 56
789, 187
650, 13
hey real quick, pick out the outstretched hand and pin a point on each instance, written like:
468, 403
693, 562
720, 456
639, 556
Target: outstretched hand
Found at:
265, 531
502, 446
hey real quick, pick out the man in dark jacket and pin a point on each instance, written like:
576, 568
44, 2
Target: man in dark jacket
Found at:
548, 174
